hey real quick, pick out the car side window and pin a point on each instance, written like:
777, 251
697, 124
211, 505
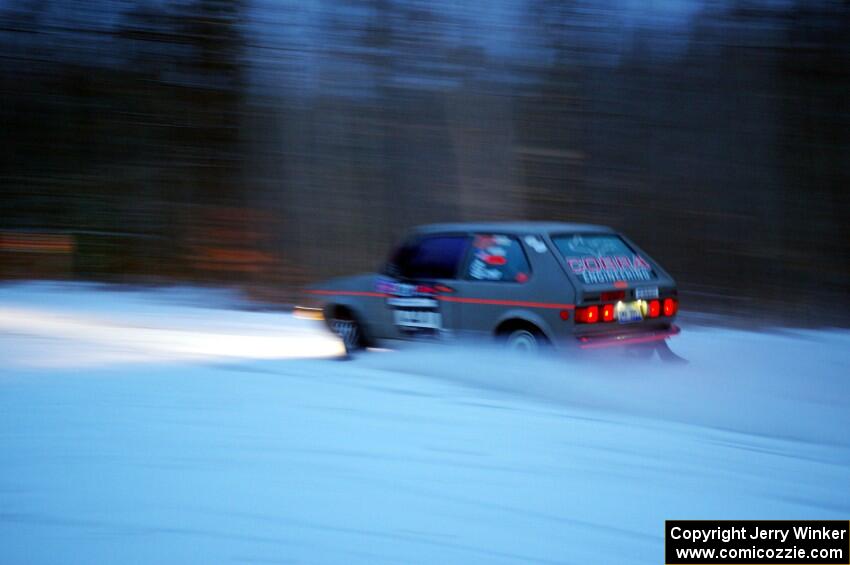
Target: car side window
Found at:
430, 257
498, 258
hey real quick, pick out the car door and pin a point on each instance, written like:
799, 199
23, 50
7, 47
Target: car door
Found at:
495, 278
418, 274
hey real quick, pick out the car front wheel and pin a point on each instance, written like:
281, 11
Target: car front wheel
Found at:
349, 332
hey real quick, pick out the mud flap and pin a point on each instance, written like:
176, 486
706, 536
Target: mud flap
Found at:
668, 355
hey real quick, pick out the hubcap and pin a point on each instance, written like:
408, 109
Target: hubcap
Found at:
347, 331
523, 341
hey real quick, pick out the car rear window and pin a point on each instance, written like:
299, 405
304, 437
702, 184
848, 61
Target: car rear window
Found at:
602, 258
497, 258
435, 257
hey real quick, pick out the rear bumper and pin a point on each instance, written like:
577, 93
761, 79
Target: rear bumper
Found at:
633, 338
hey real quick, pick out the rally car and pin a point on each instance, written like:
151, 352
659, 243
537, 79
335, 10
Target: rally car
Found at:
528, 284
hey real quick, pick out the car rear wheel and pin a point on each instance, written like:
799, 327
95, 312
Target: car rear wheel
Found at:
524, 340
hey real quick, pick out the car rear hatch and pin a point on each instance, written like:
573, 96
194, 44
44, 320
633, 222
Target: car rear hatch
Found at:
620, 290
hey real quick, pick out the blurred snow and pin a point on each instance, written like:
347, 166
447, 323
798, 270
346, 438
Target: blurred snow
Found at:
88, 325
118, 452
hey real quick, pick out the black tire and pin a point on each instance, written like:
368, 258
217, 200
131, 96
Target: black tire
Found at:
349, 331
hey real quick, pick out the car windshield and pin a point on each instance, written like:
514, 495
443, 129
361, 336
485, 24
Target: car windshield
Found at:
602, 258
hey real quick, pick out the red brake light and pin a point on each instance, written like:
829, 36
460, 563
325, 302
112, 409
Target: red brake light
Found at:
670, 306
608, 313
654, 308
587, 315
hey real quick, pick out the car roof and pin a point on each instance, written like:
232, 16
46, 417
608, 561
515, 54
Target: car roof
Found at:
513, 227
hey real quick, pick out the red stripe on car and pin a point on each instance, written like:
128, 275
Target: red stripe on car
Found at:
349, 293
506, 302
486, 301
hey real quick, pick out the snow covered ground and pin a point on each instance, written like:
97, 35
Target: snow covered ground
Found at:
176, 426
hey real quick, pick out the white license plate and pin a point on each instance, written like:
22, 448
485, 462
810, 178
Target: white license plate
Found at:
428, 319
629, 312
646, 292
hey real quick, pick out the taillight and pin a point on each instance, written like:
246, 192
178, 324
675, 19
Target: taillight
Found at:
654, 309
608, 313
587, 315
670, 306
